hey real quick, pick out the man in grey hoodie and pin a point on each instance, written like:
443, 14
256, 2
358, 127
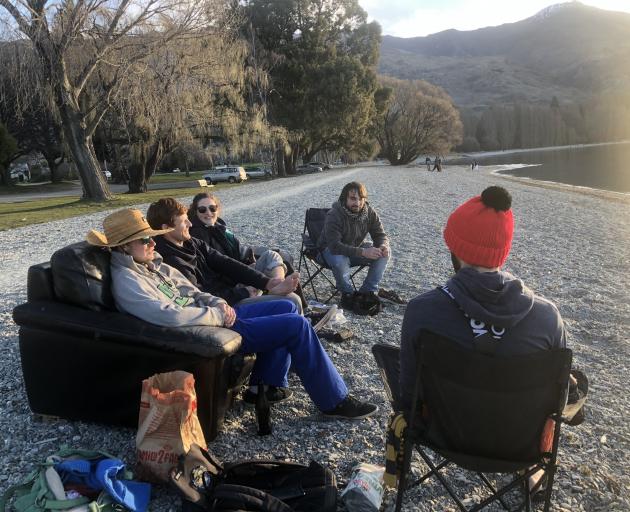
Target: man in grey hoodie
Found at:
480, 297
347, 224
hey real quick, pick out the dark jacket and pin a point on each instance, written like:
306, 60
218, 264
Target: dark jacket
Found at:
221, 239
488, 299
209, 270
343, 233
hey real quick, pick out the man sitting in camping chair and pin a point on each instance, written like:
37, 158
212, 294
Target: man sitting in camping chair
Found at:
481, 309
347, 224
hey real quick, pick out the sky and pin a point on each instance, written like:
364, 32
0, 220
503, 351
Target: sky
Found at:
410, 18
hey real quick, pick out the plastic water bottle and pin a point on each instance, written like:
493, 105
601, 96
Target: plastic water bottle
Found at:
364, 492
263, 411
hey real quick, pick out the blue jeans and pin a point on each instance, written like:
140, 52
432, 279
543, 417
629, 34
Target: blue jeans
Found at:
280, 337
341, 265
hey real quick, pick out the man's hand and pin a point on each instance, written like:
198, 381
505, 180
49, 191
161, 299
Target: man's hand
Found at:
384, 251
284, 286
371, 253
229, 315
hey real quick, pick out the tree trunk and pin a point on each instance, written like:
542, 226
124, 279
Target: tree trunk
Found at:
80, 145
5, 176
280, 168
137, 183
152, 161
53, 165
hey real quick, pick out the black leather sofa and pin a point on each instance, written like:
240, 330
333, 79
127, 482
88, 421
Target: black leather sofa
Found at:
84, 360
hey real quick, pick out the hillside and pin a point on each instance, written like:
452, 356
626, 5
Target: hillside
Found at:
571, 51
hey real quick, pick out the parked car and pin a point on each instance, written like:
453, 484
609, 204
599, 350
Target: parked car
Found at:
107, 175
323, 165
231, 174
259, 172
308, 168
176, 170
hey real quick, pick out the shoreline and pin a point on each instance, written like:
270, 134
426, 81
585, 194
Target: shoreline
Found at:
481, 154
499, 170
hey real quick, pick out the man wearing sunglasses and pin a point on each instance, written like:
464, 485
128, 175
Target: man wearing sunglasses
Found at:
144, 286
207, 268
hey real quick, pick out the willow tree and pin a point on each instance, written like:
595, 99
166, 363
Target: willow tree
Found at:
75, 44
189, 92
418, 118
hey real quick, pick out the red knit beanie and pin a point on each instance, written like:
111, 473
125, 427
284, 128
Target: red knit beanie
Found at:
480, 231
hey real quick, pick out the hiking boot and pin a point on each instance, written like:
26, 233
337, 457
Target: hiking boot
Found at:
367, 303
352, 409
347, 301
275, 395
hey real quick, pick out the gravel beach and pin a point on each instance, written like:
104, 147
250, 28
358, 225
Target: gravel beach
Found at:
573, 248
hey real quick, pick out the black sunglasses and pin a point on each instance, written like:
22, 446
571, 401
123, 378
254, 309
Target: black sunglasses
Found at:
203, 209
145, 241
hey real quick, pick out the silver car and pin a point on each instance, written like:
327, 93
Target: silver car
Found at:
308, 168
259, 172
231, 174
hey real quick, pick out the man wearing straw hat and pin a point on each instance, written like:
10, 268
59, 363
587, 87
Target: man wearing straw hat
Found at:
143, 286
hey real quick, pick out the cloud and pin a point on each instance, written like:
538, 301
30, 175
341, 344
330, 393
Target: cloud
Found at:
409, 18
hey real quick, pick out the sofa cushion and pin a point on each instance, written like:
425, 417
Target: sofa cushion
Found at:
81, 276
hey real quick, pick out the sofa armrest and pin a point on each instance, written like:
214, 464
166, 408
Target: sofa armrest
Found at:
112, 326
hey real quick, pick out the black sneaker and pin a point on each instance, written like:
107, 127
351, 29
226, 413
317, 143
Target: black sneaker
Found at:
347, 301
275, 395
352, 409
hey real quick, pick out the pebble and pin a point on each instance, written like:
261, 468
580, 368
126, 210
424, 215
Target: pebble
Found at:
572, 248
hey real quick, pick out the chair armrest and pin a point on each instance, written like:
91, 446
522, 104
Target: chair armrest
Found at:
116, 327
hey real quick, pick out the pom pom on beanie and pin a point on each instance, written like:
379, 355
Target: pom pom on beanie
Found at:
480, 231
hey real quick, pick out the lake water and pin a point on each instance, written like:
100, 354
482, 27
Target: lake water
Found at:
603, 167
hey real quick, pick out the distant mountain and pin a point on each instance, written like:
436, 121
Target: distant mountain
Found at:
570, 50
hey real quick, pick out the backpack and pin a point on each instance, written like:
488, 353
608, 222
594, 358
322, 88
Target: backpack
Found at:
97, 472
252, 485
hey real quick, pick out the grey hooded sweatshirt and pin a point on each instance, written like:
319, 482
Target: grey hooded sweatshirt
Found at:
159, 294
481, 301
344, 232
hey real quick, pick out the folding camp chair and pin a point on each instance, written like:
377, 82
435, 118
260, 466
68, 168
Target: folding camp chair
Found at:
311, 257
483, 413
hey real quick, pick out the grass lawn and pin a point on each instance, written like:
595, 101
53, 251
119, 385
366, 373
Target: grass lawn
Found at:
42, 187
14, 215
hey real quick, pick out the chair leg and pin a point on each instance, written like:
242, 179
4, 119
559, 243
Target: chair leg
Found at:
428, 475
504, 490
494, 491
551, 466
551, 470
449, 489
528, 498
402, 481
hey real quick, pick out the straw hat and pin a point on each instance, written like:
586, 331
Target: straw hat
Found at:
122, 227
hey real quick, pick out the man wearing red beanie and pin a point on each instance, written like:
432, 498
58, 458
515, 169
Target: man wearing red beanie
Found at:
480, 304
